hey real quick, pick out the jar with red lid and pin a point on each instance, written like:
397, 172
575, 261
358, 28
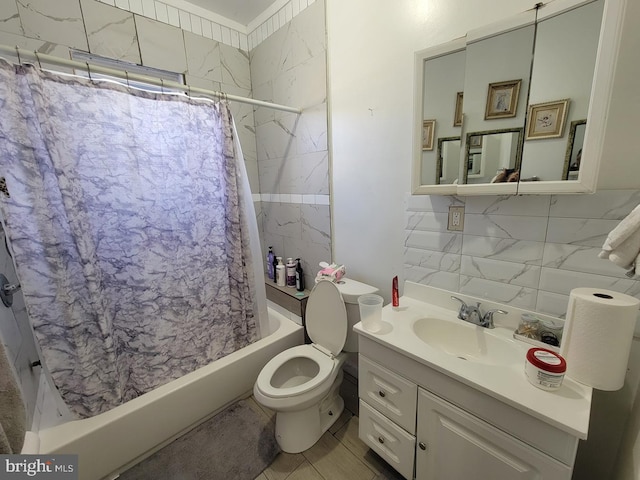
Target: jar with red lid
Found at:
544, 368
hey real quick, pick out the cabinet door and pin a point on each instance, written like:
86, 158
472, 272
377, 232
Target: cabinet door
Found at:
451, 444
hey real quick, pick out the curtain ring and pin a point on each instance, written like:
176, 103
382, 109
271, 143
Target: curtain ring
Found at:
35, 52
162, 85
126, 72
18, 53
88, 70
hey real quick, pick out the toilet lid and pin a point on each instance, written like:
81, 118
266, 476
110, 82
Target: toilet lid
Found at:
326, 317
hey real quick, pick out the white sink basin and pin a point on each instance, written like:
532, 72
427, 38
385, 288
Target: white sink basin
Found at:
468, 342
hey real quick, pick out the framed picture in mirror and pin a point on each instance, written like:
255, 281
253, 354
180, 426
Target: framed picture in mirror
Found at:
573, 153
502, 99
475, 141
448, 158
457, 116
428, 128
546, 120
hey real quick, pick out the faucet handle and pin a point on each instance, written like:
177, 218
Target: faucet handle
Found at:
487, 318
463, 314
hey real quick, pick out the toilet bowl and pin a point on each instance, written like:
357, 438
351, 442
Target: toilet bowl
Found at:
302, 383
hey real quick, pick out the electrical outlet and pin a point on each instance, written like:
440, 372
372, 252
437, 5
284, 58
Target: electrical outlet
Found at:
456, 218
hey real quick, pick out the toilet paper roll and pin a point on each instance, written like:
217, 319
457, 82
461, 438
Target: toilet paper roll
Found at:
31, 444
597, 336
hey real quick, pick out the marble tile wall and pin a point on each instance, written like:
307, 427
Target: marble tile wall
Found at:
289, 67
528, 251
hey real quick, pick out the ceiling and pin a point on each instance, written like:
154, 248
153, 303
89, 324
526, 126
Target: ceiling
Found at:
241, 11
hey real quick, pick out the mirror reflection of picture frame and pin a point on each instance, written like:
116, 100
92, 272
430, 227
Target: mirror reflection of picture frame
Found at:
440, 158
502, 99
475, 141
574, 149
546, 120
428, 128
457, 116
517, 155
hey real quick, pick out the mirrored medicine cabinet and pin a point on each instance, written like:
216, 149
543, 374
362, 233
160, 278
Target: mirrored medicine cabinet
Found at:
518, 106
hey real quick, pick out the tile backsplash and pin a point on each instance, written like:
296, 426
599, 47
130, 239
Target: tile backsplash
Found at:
527, 251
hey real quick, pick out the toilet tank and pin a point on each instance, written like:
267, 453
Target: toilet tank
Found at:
351, 290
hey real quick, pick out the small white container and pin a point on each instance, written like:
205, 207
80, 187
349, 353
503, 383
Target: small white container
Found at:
371, 312
545, 369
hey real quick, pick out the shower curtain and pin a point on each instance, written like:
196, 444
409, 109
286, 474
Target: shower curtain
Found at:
129, 216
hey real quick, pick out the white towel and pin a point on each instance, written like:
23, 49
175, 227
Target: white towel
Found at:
622, 246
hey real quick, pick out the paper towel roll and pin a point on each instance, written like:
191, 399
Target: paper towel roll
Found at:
597, 336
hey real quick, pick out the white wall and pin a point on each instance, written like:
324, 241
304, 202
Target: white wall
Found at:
370, 60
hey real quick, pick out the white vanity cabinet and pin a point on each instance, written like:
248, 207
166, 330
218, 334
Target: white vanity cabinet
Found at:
453, 444
429, 426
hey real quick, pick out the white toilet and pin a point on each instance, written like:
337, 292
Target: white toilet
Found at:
302, 383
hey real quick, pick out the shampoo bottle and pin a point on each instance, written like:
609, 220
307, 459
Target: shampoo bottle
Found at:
280, 273
274, 265
299, 276
270, 271
291, 273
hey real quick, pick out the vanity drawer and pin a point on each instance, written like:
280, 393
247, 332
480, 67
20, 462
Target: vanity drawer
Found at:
388, 440
388, 392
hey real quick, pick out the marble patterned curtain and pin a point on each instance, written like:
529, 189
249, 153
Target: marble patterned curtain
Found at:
123, 211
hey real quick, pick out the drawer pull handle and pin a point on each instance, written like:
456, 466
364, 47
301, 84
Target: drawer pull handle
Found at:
380, 439
422, 446
382, 394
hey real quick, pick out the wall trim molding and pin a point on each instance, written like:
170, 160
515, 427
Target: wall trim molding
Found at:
197, 20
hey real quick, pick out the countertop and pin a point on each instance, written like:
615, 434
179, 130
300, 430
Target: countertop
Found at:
567, 408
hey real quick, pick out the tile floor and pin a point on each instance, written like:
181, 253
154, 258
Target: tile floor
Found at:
338, 455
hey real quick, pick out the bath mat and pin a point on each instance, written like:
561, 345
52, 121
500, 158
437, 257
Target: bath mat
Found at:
236, 444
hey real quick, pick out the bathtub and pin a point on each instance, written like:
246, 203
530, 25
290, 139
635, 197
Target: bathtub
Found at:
113, 441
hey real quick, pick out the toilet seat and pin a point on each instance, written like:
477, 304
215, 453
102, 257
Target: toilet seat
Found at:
325, 363
326, 322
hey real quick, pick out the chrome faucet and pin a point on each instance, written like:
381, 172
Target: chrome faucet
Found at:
473, 314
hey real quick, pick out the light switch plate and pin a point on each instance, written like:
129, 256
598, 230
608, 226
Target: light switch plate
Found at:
456, 218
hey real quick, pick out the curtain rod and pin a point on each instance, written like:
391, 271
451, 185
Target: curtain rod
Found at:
123, 74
